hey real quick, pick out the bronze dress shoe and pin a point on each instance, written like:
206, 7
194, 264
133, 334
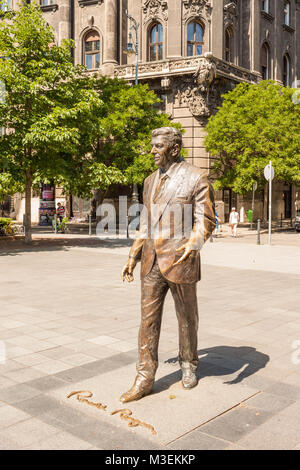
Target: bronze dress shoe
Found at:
140, 389
189, 378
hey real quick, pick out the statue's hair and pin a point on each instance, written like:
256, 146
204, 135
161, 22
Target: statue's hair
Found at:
174, 135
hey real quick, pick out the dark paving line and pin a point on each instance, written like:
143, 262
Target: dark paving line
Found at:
29, 398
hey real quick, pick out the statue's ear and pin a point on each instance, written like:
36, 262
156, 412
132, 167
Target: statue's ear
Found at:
175, 150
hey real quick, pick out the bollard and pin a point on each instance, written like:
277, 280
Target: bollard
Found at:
280, 220
55, 223
90, 225
211, 239
258, 232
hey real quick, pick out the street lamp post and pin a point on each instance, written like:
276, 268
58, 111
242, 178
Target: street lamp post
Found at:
134, 49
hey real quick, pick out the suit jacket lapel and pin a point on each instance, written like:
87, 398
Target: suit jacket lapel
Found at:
172, 187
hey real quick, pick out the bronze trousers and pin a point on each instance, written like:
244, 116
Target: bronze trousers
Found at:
154, 290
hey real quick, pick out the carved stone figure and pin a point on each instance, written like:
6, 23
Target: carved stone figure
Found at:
154, 9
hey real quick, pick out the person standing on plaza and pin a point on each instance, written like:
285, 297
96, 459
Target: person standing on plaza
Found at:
233, 221
60, 211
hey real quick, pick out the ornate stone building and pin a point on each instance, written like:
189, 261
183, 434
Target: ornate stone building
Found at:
190, 52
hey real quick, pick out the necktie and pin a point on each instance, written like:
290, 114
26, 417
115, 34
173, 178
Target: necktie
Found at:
159, 188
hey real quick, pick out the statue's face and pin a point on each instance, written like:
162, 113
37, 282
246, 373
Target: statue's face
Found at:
162, 153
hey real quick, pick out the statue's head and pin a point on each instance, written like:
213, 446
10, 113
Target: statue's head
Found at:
166, 145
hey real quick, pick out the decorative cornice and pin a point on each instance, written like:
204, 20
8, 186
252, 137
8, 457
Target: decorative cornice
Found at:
230, 12
53, 7
185, 66
288, 28
155, 9
85, 3
267, 16
196, 8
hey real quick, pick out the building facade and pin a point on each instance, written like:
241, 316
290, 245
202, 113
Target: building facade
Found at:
190, 52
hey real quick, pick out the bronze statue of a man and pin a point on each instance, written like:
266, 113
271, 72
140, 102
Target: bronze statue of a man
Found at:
169, 261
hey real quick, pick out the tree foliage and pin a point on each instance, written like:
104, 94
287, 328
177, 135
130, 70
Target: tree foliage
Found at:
255, 124
62, 124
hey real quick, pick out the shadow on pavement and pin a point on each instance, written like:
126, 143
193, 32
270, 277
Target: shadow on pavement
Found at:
16, 247
218, 361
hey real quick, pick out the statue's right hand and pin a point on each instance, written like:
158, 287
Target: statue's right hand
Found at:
127, 273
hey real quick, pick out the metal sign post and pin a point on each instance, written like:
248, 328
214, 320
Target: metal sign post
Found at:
269, 175
253, 198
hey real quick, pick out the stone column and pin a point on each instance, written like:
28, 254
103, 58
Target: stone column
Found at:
64, 21
255, 35
217, 29
110, 37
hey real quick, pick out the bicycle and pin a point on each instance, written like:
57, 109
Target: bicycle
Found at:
61, 225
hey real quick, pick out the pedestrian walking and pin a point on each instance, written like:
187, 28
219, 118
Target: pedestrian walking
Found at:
233, 221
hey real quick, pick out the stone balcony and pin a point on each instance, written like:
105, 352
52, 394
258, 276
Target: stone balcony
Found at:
185, 66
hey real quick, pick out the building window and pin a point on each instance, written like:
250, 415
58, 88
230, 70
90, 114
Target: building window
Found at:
45, 3
91, 50
194, 39
265, 6
286, 70
229, 45
265, 62
6, 5
287, 13
156, 42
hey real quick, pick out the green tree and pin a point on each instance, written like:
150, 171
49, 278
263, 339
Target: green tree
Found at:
63, 125
255, 124
45, 104
117, 145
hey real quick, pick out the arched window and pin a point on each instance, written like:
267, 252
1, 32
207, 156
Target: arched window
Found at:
265, 62
287, 13
156, 42
91, 50
194, 39
286, 75
229, 56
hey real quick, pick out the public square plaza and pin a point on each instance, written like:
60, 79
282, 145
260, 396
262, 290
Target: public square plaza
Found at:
68, 323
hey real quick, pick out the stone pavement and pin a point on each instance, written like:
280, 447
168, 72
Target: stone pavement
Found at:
68, 323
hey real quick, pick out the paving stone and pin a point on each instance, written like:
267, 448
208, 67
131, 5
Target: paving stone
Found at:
10, 415
232, 426
268, 402
75, 374
262, 439
286, 390
46, 383
28, 432
61, 441
197, 440
16, 393
38, 405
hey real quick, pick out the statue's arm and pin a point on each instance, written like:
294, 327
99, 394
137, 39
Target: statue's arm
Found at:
136, 248
204, 218
203, 213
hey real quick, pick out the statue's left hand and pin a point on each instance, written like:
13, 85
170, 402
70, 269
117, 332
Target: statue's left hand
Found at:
187, 252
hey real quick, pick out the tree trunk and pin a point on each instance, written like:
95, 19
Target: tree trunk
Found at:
99, 196
27, 221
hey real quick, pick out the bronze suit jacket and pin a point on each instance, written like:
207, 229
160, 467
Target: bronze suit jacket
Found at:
186, 189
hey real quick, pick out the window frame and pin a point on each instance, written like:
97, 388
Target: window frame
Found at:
287, 13
94, 52
268, 56
194, 43
230, 50
158, 44
286, 74
265, 6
